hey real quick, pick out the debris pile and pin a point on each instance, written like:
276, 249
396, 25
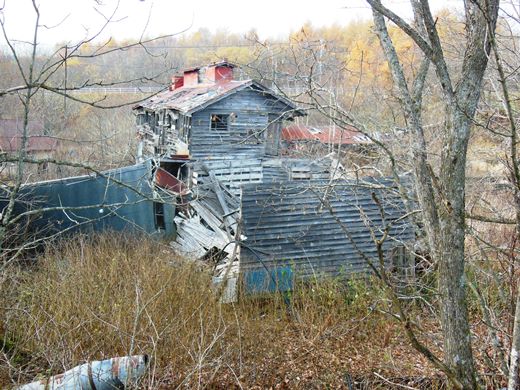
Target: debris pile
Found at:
208, 227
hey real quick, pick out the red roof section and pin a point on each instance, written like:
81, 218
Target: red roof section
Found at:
11, 131
325, 134
202, 86
187, 98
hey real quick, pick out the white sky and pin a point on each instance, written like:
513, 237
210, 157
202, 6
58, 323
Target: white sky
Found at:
77, 19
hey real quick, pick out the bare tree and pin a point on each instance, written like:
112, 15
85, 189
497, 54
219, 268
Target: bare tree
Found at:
36, 72
505, 56
442, 194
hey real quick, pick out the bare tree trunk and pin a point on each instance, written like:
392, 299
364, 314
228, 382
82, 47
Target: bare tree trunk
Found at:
514, 357
451, 254
452, 288
26, 101
442, 196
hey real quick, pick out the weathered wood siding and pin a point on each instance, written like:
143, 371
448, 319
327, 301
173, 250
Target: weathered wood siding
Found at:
318, 228
234, 173
245, 135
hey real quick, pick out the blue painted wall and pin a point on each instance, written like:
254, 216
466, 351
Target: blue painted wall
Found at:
120, 199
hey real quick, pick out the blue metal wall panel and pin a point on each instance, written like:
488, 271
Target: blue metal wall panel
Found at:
269, 280
120, 199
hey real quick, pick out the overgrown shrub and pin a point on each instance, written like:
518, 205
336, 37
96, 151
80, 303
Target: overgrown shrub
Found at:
95, 297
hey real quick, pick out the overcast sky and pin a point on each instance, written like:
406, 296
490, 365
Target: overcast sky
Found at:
75, 19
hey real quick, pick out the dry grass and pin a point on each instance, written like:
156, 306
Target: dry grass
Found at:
104, 296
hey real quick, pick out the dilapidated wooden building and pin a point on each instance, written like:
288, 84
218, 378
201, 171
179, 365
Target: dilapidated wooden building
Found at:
252, 210
212, 179
206, 113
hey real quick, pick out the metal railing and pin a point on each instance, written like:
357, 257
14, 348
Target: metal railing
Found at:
117, 90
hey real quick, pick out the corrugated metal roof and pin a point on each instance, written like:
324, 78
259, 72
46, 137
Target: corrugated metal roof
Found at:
306, 226
189, 99
325, 134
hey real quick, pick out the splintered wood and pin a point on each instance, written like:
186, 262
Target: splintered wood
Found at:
209, 229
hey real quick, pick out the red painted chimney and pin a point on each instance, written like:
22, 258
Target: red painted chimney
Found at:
191, 77
219, 72
177, 82
215, 73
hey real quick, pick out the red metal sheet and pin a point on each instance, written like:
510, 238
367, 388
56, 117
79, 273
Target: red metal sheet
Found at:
297, 133
165, 179
325, 134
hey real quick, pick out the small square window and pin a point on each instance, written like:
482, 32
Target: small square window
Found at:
219, 122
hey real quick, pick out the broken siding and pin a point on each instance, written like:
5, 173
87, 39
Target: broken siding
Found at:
234, 173
164, 133
231, 172
210, 221
305, 227
245, 136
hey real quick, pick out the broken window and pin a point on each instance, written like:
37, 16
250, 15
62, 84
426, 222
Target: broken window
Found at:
179, 126
156, 124
219, 122
141, 118
158, 208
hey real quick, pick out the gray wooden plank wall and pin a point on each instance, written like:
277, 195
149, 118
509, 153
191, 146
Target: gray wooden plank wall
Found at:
251, 108
290, 224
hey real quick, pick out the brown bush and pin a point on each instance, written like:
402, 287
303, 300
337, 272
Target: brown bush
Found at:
111, 295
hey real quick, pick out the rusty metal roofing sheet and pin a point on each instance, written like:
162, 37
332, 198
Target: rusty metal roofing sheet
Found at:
189, 99
166, 180
325, 134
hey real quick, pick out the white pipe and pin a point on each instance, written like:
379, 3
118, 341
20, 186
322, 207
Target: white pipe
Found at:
110, 374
